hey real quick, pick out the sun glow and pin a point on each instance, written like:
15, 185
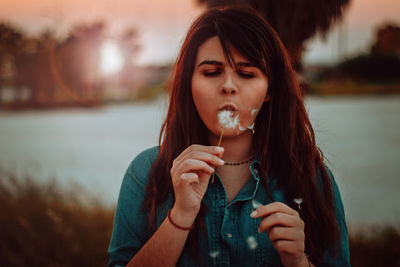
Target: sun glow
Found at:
112, 59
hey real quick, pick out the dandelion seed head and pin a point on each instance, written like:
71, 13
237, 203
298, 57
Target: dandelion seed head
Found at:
225, 118
252, 242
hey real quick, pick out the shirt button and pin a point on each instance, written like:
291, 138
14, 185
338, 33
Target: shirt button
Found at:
228, 235
255, 171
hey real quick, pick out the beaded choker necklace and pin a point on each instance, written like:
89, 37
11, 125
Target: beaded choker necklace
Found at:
239, 163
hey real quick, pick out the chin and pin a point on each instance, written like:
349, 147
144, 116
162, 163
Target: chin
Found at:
233, 132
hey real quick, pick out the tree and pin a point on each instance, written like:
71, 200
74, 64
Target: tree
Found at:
11, 40
128, 44
75, 63
294, 20
34, 70
387, 40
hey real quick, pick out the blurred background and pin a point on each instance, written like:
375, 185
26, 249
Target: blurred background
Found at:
82, 92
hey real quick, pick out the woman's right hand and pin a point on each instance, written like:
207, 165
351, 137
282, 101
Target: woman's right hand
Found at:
190, 174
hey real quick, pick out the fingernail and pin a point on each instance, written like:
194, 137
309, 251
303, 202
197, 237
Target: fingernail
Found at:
219, 149
253, 214
221, 161
211, 169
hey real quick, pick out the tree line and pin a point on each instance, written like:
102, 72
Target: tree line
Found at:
47, 71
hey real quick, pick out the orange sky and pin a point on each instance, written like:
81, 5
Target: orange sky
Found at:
162, 23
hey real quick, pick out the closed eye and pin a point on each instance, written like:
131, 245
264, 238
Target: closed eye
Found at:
246, 75
212, 73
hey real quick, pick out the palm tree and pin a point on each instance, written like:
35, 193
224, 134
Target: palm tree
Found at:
294, 20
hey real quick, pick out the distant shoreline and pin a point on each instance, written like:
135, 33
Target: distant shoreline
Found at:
347, 89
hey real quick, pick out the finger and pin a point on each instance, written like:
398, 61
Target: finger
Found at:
280, 219
291, 247
274, 207
188, 164
211, 159
190, 177
191, 165
213, 150
285, 233
218, 151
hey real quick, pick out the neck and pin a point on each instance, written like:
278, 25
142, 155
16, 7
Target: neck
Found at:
236, 148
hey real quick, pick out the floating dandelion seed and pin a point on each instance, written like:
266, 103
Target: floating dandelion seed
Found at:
251, 127
252, 242
214, 254
255, 204
298, 201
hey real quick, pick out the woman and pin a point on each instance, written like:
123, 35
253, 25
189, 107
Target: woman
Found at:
265, 197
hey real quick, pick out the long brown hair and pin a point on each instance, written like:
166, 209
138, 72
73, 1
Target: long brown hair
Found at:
284, 139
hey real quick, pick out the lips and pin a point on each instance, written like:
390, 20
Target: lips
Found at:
228, 106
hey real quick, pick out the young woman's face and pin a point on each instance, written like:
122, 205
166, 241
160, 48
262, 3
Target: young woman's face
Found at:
241, 88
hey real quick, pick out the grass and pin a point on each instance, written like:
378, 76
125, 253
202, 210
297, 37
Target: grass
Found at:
44, 226
379, 246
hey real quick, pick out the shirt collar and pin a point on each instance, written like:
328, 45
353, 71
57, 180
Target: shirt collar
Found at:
254, 169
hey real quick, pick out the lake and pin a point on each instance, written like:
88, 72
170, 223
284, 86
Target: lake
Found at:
360, 136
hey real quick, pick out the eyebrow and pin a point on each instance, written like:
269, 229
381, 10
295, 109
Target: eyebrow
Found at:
245, 64
218, 63
210, 62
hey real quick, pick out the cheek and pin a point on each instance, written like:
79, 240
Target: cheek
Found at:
254, 103
196, 92
202, 100
251, 111
201, 90
199, 98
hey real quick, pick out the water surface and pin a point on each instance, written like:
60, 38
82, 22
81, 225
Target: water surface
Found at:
359, 136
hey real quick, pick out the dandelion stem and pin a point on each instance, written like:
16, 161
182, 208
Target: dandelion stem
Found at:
220, 138
219, 143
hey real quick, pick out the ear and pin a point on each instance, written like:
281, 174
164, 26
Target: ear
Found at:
267, 98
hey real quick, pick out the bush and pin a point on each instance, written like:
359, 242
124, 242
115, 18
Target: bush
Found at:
40, 226
371, 68
375, 247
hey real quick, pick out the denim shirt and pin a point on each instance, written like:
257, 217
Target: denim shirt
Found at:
233, 239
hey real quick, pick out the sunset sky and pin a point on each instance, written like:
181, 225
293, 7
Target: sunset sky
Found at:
162, 24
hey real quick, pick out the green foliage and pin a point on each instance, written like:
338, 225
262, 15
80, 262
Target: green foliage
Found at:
40, 226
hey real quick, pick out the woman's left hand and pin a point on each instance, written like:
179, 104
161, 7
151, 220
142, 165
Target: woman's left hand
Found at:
285, 229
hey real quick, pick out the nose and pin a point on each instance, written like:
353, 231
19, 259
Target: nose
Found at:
228, 86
